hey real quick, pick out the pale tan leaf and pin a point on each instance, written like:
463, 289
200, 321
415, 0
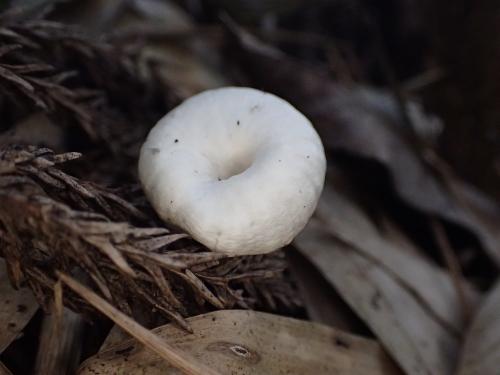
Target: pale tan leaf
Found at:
432, 285
405, 325
249, 342
481, 351
17, 307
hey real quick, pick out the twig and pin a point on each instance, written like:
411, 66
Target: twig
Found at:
177, 358
4, 370
62, 332
453, 265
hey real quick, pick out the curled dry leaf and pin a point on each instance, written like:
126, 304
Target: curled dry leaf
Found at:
358, 120
416, 339
481, 349
249, 342
51, 221
17, 307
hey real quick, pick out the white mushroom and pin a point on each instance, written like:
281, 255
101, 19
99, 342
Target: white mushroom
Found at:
239, 169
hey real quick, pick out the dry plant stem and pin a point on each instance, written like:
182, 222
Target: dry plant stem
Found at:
178, 359
62, 332
47, 360
453, 265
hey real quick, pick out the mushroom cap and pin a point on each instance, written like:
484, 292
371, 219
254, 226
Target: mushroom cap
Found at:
239, 169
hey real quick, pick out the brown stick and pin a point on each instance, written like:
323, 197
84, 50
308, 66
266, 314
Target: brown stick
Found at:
61, 332
175, 357
453, 265
4, 370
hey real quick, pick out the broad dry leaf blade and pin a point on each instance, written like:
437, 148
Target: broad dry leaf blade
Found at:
431, 284
481, 351
17, 307
321, 302
249, 342
418, 342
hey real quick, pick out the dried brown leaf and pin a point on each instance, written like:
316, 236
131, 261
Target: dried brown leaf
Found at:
431, 285
416, 339
248, 342
177, 358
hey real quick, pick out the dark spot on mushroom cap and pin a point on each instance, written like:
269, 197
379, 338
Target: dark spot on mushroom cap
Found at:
238, 122
175, 141
154, 150
307, 156
12, 325
171, 202
21, 308
255, 108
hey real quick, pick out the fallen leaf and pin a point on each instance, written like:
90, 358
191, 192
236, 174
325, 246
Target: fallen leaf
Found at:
179, 359
249, 342
321, 301
367, 128
416, 339
17, 307
481, 351
432, 285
